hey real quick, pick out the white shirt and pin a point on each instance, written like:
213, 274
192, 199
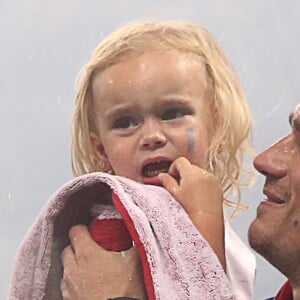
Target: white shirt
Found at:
240, 265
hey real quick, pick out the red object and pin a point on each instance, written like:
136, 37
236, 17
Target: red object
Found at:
111, 234
285, 293
139, 245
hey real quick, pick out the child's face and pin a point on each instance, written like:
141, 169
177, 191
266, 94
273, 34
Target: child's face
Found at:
150, 110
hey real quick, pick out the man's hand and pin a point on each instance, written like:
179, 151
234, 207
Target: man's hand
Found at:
90, 272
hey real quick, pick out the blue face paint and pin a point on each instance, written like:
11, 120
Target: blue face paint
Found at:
190, 139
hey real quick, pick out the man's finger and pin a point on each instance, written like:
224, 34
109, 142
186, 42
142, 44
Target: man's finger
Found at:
81, 240
67, 256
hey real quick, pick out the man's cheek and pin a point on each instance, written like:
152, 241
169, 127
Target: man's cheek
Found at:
295, 183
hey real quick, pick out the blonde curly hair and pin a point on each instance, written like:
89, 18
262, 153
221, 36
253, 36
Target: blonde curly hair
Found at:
231, 138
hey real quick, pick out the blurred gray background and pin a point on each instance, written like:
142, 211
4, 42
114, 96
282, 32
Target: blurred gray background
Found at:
43, 44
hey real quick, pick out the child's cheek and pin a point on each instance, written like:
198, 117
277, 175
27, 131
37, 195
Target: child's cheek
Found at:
119, 155
196, 146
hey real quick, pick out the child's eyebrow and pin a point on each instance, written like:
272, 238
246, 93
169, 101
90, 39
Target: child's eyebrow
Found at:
120, 109
173, 100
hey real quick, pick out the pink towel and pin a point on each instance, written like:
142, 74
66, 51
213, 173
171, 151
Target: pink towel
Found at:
178, 263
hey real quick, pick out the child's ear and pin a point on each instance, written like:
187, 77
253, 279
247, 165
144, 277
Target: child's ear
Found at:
100, 154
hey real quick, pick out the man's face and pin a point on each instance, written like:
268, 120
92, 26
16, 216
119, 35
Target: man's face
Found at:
275, 233
150, 110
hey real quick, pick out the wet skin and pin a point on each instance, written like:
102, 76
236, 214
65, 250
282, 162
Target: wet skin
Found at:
275, 233
151, 110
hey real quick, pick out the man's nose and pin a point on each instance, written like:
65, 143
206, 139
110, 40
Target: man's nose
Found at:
152, 136
273, 161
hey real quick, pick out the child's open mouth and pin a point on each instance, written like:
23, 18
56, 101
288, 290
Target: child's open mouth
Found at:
154, 168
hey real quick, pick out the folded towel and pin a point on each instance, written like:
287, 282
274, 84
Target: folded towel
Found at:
178, 262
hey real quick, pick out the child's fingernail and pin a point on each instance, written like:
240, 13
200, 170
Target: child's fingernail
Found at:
161, 176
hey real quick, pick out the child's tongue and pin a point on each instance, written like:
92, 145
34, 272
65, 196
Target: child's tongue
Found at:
153, 169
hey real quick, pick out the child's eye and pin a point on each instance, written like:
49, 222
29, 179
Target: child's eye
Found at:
173, 113
125, 123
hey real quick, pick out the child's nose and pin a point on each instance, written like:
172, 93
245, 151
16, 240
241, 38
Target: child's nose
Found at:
273, 161
152, 137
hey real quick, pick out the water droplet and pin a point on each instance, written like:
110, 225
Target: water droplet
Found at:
142, 67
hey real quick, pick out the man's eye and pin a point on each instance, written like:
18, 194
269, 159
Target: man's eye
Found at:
125, 123
173, 113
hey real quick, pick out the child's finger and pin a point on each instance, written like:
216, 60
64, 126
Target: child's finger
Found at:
169, 182
180, 167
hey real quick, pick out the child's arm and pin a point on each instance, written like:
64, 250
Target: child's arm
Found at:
200, 193
90, 272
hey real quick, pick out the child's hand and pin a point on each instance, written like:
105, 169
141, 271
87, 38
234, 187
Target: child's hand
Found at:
90, 272
200, 193
197, 190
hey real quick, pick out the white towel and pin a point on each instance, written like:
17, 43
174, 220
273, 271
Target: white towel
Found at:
178, 262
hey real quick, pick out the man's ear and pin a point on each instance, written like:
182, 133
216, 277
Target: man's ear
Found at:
101, 158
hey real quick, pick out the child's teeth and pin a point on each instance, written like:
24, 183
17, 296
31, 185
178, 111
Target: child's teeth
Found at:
154, 169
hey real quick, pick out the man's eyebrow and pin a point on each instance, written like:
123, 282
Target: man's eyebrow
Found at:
290, 118
294, 120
